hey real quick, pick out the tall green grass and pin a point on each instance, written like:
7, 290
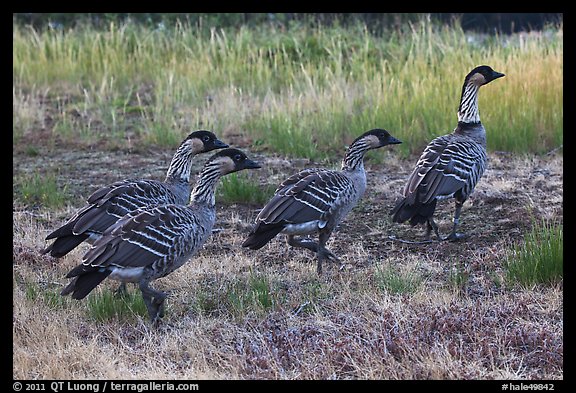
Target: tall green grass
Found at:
52, 298
243, 188
251, 292
105, 305
540, 259
391, 280
39, 189
304, 91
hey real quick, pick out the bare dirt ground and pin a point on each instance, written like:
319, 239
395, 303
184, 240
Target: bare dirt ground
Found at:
460, 322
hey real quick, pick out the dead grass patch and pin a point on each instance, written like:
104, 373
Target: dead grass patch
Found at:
459, 322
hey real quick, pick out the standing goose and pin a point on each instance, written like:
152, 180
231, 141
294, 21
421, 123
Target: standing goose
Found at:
110, 203
450, 165
316, 200
151, 242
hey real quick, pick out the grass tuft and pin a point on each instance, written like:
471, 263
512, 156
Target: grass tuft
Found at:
105, 305
52, 298
539, 259
395, 282
249, 293
243, 188
252, 293
458, 278
40, 189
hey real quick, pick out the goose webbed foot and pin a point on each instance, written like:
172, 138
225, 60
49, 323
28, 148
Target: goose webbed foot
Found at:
154, 301
432, 226
453, 236
328, 255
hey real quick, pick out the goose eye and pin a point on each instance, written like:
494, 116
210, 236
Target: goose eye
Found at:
237, 157
205, 138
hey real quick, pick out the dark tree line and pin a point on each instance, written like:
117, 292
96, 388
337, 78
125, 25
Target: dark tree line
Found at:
505, 22
482, 22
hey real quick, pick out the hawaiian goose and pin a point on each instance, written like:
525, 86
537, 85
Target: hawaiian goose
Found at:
450, 165
316, 200
110, 203
151, 242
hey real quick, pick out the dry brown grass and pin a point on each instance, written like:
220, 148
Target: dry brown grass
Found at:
458, 322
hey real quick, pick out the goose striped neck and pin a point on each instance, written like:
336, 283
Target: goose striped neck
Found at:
205, 187
354, 159
181, 164
468, 109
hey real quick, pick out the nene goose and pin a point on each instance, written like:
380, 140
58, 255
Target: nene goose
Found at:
451, 165
151, 242
316, 200
108, 204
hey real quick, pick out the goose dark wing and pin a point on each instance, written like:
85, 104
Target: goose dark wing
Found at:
448, 164
307, 196
295, 178
112, 203
90, 213
144, 237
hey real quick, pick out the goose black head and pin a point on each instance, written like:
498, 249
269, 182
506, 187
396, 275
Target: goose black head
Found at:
232, 160
482, 75
378, 137
204, 141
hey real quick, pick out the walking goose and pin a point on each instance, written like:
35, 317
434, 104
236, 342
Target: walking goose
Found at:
151, 242
451, 165
108, 204
316, 200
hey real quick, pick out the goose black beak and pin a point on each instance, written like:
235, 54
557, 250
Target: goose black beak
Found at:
497, 75
249, 164
218, 144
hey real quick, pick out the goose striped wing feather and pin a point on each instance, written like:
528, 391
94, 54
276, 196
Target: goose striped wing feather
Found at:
448, 165
145, 237
295, 178
308, 195
109, 204
101, 194
92, 209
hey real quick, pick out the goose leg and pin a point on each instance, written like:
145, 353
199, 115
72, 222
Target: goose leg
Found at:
121, 291
431, 225
454, 235
154, 301
323, 252
301, 243
318, 248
